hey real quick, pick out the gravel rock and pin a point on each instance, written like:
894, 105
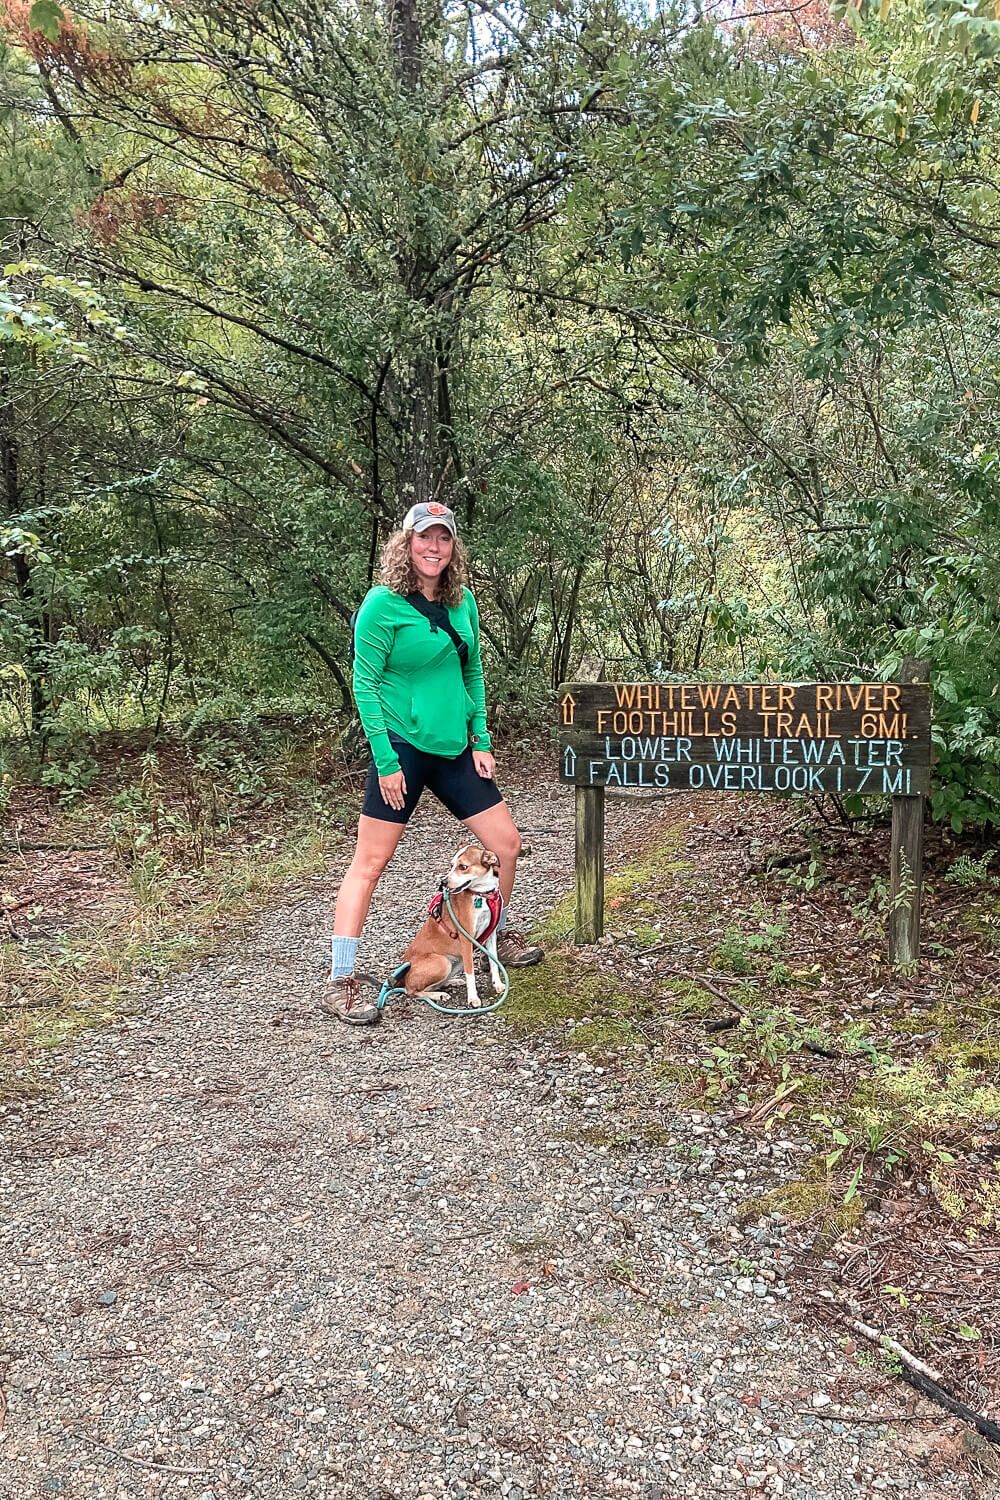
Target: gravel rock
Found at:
399, 1261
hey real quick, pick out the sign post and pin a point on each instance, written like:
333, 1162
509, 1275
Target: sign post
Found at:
906, 872
589, 863
812, 738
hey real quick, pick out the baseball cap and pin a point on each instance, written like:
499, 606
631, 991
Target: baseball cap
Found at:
429, 513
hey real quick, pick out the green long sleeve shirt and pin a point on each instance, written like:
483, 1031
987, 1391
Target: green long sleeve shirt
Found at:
409, 681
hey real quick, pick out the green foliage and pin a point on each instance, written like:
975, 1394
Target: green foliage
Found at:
693, 325
46, 16
971, 873
30, 320
741, 952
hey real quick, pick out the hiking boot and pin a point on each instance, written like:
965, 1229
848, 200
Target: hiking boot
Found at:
350, 1002
515, 952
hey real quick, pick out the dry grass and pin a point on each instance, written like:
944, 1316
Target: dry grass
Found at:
53, 990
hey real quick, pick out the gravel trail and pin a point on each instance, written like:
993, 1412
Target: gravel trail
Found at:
251, 1253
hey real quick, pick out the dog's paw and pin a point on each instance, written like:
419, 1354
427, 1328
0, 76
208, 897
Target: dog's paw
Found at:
474, 1002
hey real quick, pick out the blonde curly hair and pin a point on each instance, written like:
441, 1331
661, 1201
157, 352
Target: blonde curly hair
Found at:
397, 572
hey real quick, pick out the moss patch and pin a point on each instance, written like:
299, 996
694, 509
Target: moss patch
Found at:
568, 989
794, 1200
605, 1034
984, 1053
646, 937
685, 998
803, 1200
955, 1024
564, 989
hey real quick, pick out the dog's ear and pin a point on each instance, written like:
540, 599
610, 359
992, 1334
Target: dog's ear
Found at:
491, 861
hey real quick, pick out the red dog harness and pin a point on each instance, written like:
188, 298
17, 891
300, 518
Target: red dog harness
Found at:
493, 900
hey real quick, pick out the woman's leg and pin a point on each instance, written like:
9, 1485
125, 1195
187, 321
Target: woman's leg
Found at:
345, 997
495, 829
377, 841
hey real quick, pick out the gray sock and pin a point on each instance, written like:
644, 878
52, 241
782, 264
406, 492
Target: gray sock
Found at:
343, 952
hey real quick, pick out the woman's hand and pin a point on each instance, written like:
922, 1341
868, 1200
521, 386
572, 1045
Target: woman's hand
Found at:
393, 789
484, 764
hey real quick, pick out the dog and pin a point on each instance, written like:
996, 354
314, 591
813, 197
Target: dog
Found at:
439, 949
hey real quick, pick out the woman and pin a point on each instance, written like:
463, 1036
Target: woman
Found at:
418, 684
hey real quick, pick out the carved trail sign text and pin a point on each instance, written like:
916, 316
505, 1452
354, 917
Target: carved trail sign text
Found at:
871, 738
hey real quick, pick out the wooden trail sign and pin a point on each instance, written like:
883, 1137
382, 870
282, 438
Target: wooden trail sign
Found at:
747, 737
811, 738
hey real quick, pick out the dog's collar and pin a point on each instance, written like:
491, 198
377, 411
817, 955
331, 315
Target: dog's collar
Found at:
494, 901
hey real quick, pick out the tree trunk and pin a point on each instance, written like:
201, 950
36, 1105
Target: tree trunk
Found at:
416, 475
24, 583
418, 377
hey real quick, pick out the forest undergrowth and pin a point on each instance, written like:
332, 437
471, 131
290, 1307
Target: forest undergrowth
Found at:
743, 966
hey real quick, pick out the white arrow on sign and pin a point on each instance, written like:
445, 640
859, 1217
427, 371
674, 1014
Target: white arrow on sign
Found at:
569, 761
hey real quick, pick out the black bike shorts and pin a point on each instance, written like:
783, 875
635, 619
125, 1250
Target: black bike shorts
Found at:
456, 783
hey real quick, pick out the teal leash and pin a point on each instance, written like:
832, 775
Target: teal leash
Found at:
392, 989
